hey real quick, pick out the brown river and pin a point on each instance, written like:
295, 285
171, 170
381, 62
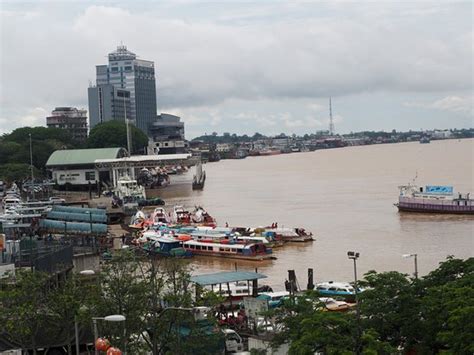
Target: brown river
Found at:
345, 197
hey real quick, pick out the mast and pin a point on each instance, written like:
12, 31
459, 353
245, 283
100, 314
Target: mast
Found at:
331, 122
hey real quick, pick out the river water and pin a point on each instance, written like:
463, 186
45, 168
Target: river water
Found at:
345, 197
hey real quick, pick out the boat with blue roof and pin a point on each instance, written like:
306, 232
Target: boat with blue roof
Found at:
433, 199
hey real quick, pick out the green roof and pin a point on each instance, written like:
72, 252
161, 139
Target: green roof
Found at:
225, 277
83, 156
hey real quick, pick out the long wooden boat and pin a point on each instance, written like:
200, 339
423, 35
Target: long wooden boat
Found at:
254, 251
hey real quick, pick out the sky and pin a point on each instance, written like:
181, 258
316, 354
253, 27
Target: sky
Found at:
249, 66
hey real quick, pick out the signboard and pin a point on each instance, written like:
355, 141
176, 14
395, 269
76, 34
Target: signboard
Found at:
444, 190
254, 306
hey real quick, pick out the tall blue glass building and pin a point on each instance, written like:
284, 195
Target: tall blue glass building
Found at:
137, 76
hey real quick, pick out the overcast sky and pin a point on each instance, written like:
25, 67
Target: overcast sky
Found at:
248, 66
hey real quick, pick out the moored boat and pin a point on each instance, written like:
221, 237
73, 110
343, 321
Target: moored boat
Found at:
165, 246
200, 178
291, 234
181, 216
254, 251
342, 290
433, 199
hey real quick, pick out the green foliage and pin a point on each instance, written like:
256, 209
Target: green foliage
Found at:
391, 303
308, 329
15, 147
16, 172
113, 133
447, 307
23, 311
430, 315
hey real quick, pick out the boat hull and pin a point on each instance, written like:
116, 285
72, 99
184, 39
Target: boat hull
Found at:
429, 208
259, 257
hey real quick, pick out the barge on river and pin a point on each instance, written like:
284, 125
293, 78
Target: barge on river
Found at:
433, 199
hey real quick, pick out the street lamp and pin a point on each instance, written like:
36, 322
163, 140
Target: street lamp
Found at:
415, 256
111, 318
354, 256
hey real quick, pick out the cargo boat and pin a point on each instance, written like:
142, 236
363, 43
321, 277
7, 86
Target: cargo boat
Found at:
433, 199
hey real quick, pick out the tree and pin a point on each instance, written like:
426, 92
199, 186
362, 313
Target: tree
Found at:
16, 172
309, 329
15, 147
447, 307
113, 134
391, 307
23, 312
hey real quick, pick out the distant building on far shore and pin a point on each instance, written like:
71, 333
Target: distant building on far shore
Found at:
70, 119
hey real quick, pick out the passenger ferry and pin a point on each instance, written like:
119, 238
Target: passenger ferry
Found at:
433, 199
255, 251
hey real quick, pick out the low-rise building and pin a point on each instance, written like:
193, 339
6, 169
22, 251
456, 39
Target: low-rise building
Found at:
77, 166
70, 119
81, 168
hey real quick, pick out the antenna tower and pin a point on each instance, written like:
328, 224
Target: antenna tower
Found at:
331, 122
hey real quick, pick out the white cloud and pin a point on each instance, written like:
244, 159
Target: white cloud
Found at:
257, 54
31, 117
453, 103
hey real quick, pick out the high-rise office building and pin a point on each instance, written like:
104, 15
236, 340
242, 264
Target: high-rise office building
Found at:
107, 102
70, 119
125, 71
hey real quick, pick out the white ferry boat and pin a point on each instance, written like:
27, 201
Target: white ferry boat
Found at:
433, 199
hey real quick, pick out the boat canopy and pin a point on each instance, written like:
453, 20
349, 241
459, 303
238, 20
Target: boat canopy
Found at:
72, 209
439, 190
226, 277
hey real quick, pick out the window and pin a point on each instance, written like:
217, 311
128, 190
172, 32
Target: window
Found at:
90, 175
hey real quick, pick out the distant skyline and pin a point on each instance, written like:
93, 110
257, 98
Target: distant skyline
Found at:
246, 67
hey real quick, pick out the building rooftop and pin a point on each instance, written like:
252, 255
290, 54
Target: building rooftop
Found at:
83, 156
226, 277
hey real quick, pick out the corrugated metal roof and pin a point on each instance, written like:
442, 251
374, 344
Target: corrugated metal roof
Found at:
225, 277
83, 156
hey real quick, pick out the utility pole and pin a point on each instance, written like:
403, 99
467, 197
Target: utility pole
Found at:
31, 166
354, 256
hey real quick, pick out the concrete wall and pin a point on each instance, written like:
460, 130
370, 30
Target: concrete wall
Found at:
74, 177
7, 269
260, 344
86, 262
